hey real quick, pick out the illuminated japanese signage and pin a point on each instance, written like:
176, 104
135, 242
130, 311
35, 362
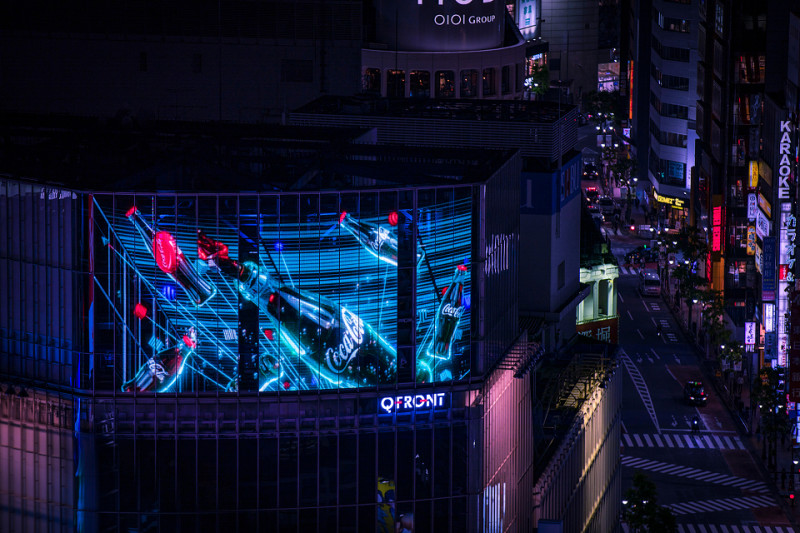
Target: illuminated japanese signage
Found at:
753, 174
786, 241
751, 240
769, 317
677, 203
749, 333
762, 224
411, 402
752, 206
765, 206
785, 163
716, 229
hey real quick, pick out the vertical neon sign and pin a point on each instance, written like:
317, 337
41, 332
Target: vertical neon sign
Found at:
786, 240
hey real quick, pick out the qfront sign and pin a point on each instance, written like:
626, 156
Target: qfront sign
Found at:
411, 402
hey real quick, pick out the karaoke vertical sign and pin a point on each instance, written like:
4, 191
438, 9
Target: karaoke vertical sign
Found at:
786, 240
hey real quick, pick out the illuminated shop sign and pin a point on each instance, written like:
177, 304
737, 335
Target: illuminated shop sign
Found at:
769, 317
716, 229
677, 203
749, 333
786, 240
411, 402
765, 206
441, 25
768, 281
762, 224
752, 206
751, 240
753, 174
278, 292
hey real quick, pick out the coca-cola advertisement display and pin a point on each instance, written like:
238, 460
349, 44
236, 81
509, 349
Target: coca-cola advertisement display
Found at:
273, 292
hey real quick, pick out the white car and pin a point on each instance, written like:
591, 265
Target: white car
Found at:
606, 205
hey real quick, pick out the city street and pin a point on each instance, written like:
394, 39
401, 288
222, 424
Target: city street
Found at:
709, 479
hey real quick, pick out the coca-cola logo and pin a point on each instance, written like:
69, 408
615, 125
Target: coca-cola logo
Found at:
454, 311
165, 251
156, 369
339, 357
381, 237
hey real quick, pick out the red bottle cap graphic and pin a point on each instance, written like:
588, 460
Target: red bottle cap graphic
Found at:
341, 217
462, 268
165, 250
393, 218
140, 311
131, 211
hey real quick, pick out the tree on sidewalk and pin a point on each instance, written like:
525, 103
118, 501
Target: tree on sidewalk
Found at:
769, 392
691, 245
641, 510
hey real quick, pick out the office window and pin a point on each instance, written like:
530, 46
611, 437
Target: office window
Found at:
420, 84
469, 83
396, 84
372, 80
505, 80
719, 19
445, 84
489, 82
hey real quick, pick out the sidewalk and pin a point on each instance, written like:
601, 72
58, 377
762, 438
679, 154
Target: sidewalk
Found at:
737, 400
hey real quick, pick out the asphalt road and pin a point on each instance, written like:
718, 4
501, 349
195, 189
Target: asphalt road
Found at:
709, 480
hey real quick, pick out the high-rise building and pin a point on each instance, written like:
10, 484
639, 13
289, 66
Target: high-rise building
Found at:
664, 54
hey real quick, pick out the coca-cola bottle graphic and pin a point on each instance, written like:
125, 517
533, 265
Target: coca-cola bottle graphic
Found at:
376, 239
334, 342
160, 372
170, 259
435, 363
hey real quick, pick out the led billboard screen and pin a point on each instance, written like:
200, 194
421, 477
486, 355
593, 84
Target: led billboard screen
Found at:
275, 293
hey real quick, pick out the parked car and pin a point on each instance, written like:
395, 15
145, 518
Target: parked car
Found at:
694, 393
596, 215
606, 205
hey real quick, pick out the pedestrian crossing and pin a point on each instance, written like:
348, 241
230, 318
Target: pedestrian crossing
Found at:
694, 473
682, 440
726, 528
629, 270
723, 504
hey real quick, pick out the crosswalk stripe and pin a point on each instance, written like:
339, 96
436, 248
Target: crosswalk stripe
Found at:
658, 441
708, 441
668, 441
688, 441
705, 476
719, 442
739, 444
647, 440
678, 441
729, 442
637, 439
627, 438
